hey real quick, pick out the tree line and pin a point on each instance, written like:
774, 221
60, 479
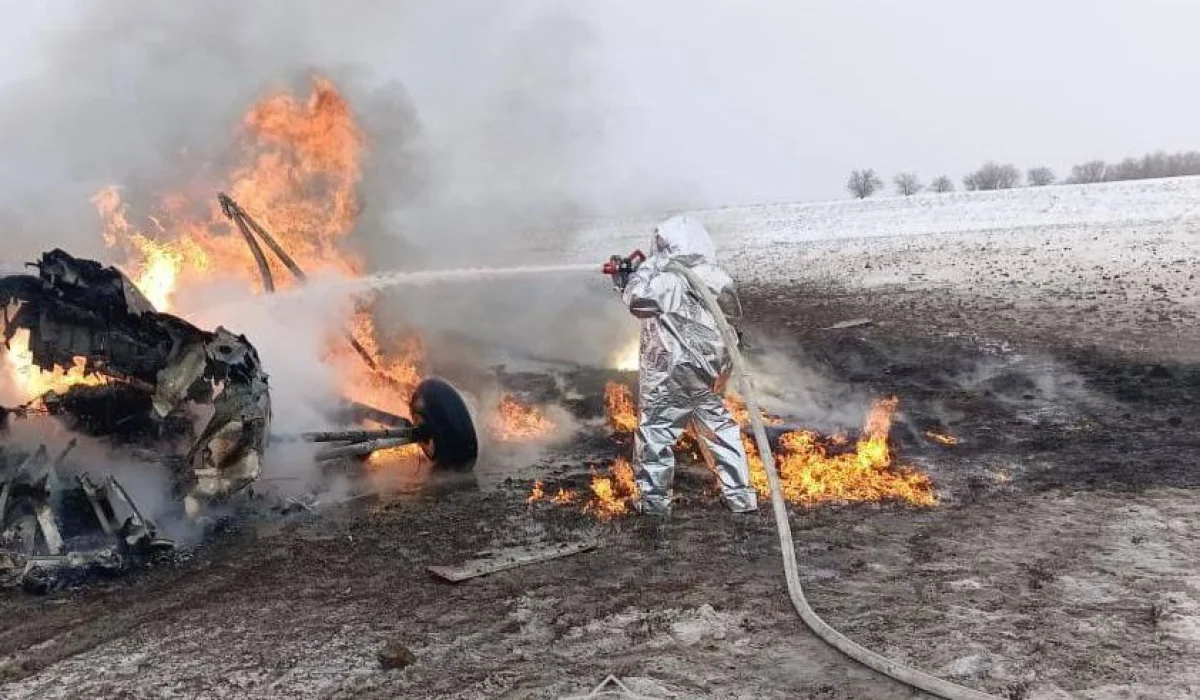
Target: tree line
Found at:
996, 176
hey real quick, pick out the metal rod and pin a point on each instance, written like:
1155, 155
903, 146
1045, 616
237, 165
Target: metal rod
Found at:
361, 411
358, 435
361, 448
243, 219
236, 213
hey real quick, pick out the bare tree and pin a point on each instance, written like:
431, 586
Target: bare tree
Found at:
1040, 176
907, 184
864, 183
942, 185
1128, 169
1149, 166
993, 176
1092, 171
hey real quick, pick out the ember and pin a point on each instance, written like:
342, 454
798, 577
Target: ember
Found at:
941, 438
537, 494
514, 421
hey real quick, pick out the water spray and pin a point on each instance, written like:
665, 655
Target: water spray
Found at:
384, 280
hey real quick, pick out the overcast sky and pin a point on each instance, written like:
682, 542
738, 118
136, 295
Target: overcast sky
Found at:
731, 101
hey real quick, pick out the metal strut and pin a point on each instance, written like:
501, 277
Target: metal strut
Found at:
249, 228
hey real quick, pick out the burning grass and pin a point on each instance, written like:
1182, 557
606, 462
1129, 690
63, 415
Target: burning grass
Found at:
814, 468
620, 407
515, 421
612, 494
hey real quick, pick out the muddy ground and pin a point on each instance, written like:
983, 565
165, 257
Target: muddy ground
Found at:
1060, 562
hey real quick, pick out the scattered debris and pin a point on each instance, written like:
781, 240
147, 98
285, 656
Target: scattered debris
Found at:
611, 687
852, 323
395, 655
53, 534
508, 558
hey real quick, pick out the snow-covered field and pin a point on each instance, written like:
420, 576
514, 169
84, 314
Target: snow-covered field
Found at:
1100, 257
1120, 204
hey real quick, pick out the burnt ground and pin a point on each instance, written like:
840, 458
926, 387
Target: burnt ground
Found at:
1058, 564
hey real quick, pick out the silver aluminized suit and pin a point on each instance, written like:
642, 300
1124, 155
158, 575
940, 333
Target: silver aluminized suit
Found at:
683, 369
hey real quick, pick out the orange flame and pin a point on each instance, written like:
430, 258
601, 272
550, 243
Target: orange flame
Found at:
620, 407
31, 380
299, 165
809, 474
514, 421
812, 468
741, 414
613, 494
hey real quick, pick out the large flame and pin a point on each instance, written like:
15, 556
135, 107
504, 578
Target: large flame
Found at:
812, 471
298, 168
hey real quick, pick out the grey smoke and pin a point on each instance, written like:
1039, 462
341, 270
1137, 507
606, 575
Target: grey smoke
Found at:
464, 156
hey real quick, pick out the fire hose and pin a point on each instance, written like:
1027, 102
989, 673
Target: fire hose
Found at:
892, 669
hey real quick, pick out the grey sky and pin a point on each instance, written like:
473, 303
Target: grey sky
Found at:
724, 101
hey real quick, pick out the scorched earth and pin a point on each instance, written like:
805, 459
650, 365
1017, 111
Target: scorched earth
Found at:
1041, 345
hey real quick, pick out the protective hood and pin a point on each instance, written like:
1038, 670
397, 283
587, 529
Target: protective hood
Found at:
684, 240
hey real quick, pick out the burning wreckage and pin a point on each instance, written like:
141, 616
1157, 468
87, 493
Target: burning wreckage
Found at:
150, 380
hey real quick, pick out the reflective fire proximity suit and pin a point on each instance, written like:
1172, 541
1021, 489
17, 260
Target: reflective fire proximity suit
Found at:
683, 368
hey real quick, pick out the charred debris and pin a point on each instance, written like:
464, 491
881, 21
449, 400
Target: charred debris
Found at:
194, 402
148, 371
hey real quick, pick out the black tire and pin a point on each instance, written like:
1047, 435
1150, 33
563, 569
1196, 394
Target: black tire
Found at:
443, 420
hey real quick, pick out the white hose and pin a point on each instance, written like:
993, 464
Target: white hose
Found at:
908, 676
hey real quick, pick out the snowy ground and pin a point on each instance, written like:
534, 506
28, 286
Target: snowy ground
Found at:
1053, 331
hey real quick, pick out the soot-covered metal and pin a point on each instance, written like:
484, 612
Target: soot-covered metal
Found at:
149, 374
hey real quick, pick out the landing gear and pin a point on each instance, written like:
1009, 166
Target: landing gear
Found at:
443, 426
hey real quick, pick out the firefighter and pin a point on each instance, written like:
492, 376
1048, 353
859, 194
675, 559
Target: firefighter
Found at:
683, 368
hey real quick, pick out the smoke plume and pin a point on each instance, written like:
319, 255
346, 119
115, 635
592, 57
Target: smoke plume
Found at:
482, 125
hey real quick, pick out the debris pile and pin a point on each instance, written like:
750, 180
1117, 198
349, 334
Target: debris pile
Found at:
55, 530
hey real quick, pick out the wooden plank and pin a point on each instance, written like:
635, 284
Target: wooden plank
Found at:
852, 323
509, 558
